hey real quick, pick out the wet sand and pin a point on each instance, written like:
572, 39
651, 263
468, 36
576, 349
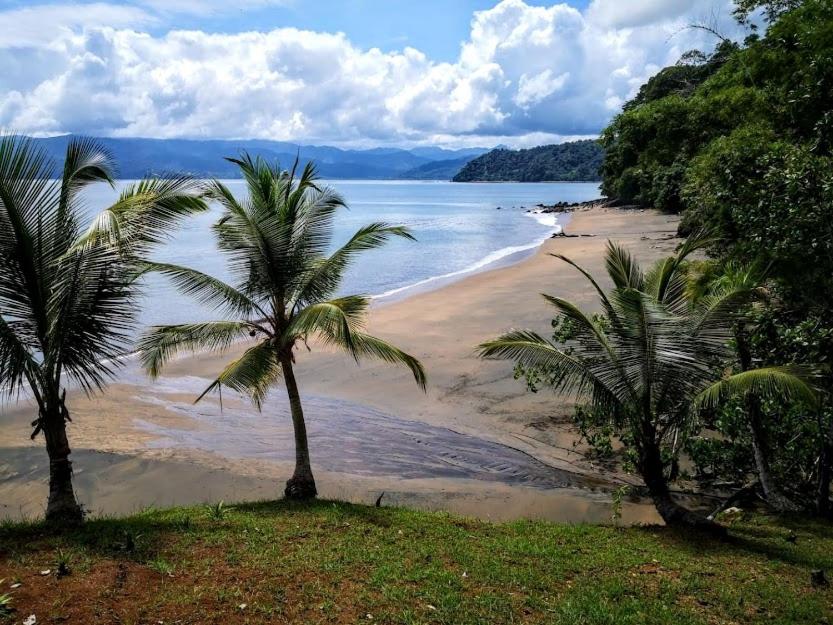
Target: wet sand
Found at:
476, 443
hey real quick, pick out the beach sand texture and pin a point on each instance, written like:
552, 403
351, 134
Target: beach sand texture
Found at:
477, 443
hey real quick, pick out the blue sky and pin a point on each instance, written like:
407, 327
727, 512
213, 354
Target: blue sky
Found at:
434, 26
351, 72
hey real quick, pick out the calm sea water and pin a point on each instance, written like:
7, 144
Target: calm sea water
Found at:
457, 226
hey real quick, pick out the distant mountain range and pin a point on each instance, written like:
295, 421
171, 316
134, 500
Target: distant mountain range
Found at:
572, 162
137, 158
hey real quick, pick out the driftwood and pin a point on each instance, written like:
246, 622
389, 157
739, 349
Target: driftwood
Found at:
747, 492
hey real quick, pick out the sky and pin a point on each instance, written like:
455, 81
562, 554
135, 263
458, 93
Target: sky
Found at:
352, 73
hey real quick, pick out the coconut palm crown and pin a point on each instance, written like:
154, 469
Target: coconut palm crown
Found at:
277, 242
68, 283
649, 363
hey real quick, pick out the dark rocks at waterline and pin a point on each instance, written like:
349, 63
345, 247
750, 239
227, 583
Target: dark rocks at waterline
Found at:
564, 235
568, 207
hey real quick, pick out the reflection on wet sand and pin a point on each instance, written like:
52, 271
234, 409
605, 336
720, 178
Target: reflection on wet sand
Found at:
354, 439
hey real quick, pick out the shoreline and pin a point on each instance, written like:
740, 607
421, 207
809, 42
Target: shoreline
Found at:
475, 398
503, 257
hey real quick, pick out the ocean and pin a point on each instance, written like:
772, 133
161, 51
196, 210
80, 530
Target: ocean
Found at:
458, 227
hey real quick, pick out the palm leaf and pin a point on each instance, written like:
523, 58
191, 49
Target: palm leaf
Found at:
164, 342
206, 289
622, 268
365, 345
325, 276
789, 383
253, 374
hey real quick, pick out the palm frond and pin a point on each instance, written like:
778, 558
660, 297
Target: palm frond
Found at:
608, 308
162, 343
253, 374
531, 350
367, 346
92, 311
325, 277
623, 268
145, 214
27, 227
789, 383
206, 289
16, 362
336, 319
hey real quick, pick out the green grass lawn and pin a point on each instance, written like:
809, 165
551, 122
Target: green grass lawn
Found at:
340, 563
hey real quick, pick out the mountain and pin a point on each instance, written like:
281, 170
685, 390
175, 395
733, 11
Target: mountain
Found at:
137, 158
437, 170
574, 161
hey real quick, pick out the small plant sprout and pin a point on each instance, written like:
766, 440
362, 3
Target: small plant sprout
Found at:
62, 560
618, 501
163, 567
218, 511
5, 602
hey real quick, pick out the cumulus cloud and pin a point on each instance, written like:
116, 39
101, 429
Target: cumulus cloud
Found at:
50, 24
525, 75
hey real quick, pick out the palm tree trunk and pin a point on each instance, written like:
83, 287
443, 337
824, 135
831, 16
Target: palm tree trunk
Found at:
61, 507
823, 506
653, 473
775, 497
301, 486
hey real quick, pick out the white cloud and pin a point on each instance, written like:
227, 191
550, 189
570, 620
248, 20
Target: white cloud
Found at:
203, 7
626, 14
525, 75
45, 24
533, 89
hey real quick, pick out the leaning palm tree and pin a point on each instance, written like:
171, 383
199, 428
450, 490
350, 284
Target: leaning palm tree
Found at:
277, 242
67, 289
649, 362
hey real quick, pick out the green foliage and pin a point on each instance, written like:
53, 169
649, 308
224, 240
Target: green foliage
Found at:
218, 511
647, 365
778, 82
745, 148
573, 161
162, 566
6, 603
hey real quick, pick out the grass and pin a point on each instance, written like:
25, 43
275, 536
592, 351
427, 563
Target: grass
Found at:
339, 563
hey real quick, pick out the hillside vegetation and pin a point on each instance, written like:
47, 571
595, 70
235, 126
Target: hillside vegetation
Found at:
339, 563
740, 141
571, 162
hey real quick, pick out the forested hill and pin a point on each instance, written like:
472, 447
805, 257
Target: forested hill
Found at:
740, 141
574, 161
141, 157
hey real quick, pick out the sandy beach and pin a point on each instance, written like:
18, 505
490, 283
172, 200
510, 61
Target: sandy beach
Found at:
477, 443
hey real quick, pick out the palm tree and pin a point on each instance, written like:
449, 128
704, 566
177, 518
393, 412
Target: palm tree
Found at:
650, 364
751, 278
276, 242
67, 294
